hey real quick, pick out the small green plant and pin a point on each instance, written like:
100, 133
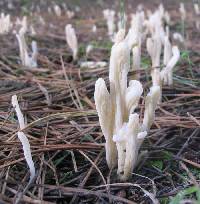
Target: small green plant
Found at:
186, 192
157, 164
164, 200
102, 45
185, 55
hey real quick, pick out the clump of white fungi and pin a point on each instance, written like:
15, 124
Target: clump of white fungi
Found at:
160, 38
124, 129
71, 40
121, 127
23, 139
28, 60
22, 23
5, 23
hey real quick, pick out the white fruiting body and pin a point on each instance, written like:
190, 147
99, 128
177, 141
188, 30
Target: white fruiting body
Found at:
197, 12
167, 31
161, 10
28, 61
49, 9
27, 154
116, 110
20, 116
178, 37
133, 94
166, 58
5, 23
155, 20
196, 9
182, 11
94, 28
23, 139
22, 23
103, 106
57, 10
136, 58
92, 64
134, 38
133, 142
151, 101
156, 78
109, 15
32, 29
70, 14
34, 53
167, 51
89, 48
41, 20
154, 49
71, 40
170, 65
167, 17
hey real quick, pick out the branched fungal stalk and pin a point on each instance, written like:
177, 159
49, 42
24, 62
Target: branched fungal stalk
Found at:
120, 125
122, 129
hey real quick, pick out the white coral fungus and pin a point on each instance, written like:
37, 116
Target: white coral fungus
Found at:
120, 125
23, 139
28, 60
5, 23
71, 40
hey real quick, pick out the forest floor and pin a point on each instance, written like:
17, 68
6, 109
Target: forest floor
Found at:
62, 124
